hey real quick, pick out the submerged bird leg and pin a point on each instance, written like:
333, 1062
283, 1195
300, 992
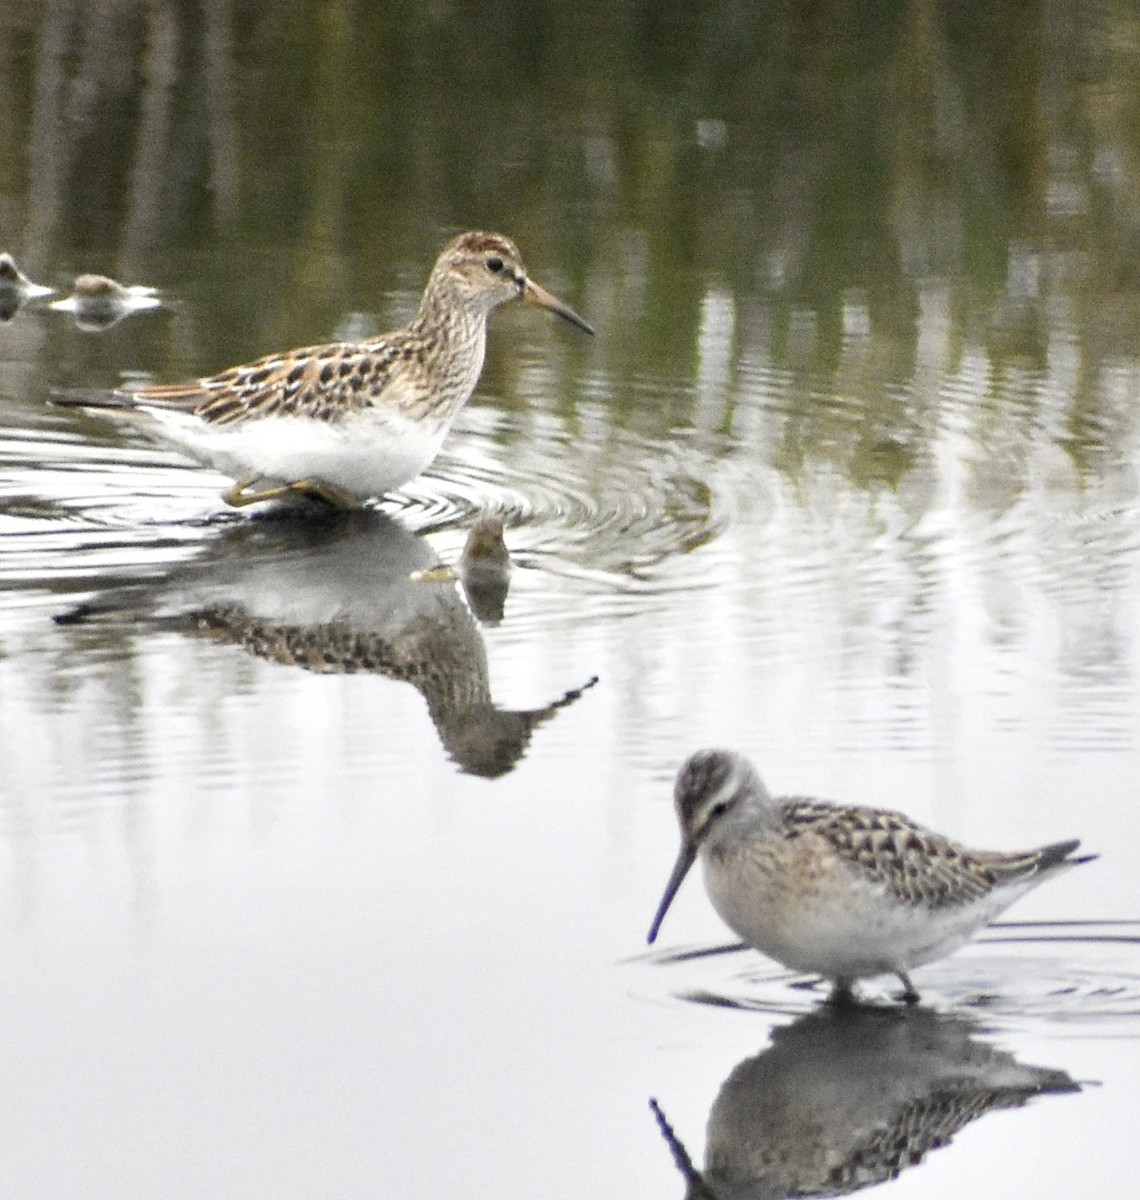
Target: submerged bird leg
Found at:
910, 995
240, 494
321, 490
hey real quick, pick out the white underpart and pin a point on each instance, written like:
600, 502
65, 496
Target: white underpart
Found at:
859, 931
366, 454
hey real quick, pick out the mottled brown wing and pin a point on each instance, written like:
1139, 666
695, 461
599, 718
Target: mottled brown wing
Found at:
314, 381
918, 865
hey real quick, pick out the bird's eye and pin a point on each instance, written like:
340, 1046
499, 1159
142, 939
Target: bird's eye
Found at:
494, 265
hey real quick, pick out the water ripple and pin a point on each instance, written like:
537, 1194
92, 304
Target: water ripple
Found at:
609, 507
604, 504
1094, 978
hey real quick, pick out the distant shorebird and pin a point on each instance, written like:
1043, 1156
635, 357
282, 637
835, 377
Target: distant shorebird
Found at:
16, 289
12, 279
347, 421
843, 892
98, 302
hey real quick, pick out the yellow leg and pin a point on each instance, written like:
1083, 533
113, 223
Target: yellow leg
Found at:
240, 495
324, 491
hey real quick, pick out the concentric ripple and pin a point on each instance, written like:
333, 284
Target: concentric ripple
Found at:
71, 509
1060, 973
597, 504
597, 501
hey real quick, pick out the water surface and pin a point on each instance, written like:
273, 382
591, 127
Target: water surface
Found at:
314, 885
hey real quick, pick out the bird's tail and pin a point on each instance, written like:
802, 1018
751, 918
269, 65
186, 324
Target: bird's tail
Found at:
1032, 864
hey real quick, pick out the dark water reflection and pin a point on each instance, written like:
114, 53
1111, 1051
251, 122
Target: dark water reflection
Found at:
338, 595
847, 1098
850, 479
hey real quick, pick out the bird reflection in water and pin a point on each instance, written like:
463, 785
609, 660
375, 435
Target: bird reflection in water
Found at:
851, 1096
337, 596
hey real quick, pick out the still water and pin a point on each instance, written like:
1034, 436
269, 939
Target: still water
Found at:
314, 885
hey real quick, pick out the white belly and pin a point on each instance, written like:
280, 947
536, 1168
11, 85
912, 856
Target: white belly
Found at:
846, 932
367, 455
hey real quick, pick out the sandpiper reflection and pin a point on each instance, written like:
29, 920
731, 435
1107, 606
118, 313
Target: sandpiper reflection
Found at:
336, 596
849, 1096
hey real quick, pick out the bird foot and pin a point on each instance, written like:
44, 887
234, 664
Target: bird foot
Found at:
244, 492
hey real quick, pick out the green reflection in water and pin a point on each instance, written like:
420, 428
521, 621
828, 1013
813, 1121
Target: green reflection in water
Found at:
856, 201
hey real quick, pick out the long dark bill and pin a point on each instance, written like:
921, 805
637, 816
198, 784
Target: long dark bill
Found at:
544, 299
681, 867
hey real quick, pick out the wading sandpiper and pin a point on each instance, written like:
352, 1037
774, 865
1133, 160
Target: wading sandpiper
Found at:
845, 892
347, 421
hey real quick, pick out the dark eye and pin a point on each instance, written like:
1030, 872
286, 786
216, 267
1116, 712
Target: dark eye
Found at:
494, 265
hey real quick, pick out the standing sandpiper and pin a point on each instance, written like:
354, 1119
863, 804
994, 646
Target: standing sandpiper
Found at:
346, 421
843, 892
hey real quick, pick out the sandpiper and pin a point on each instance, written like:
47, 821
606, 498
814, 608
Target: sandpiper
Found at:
347, 421
845, 892
12, 279
97, 302
16, 289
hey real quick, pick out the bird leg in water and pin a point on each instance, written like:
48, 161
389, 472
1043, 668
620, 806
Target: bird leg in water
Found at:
910, 995
239, 495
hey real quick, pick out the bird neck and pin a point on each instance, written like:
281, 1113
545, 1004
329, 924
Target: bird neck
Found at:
445, 315
450, 339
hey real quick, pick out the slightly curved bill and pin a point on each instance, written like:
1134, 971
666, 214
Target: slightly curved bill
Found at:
540, 296
681, 867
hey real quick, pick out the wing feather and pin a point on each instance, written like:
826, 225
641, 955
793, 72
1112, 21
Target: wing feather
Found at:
918, 865
315, 382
